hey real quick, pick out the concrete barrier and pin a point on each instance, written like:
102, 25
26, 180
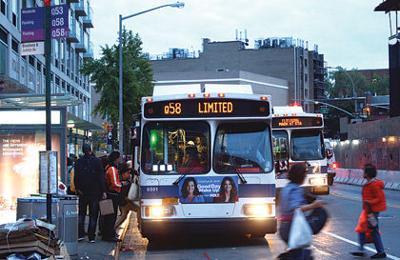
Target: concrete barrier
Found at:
355, 177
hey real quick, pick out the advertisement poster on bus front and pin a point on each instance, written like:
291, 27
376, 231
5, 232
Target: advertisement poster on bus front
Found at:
208, 190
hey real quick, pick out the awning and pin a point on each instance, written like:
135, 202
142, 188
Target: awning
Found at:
388, 5
81, 124
37, 100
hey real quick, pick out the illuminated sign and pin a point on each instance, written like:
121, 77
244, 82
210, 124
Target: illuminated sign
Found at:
28, 117
211, 107
287, 122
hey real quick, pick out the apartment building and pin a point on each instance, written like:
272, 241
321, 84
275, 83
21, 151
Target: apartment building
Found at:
284, 58
26, 74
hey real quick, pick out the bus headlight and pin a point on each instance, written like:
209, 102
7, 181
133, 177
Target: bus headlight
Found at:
317, 181
258, 210
158, 211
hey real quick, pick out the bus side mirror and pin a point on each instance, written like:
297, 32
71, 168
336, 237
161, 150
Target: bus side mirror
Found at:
135, 136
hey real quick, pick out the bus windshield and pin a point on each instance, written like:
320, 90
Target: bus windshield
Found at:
243, 148
307, 145
176, 148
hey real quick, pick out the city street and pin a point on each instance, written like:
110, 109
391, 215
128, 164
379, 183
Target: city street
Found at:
335, 242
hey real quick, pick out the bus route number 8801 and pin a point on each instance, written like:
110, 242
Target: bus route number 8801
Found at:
173, 108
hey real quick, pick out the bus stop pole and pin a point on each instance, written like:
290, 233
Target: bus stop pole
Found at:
47, 7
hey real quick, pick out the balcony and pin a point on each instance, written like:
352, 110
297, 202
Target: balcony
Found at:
80, 47
72, 36
80, 9
87, 20
89, 52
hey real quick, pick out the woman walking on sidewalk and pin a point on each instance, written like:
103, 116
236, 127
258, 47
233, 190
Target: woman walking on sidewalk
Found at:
373, 202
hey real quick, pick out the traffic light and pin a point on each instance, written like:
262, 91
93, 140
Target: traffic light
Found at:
47, 2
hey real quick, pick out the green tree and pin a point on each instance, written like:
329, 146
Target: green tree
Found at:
342, 81
137, 80
379, 85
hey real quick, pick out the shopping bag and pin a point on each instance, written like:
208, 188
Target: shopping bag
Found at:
106, 207
300, 234
133, 193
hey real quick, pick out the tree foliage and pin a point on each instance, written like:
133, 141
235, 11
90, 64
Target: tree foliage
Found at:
137, 80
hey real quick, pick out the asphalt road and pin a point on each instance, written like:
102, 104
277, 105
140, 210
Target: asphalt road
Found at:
335, 242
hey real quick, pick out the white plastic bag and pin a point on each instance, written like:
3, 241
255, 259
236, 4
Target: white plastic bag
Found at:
133, 193
300, 234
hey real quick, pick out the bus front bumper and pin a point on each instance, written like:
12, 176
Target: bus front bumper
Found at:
151, 228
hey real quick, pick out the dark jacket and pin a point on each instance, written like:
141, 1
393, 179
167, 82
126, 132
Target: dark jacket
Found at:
89, 176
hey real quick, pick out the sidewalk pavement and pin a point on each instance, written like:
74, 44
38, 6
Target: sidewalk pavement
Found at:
101, 249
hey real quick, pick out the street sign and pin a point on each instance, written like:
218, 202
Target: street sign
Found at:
48, 176
32, 24
59, 21
32, 48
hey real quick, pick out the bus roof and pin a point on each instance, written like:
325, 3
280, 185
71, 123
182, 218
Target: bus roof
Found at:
168, 90
285, 111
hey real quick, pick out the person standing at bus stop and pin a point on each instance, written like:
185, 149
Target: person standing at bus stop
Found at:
90, 186
114, 186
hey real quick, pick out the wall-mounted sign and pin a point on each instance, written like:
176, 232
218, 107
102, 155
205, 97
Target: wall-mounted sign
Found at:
33, 27
32, 48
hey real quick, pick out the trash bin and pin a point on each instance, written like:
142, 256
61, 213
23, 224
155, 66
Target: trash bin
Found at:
64, 212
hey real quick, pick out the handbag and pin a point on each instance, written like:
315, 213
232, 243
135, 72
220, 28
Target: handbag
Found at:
300, 234
106, 207
133, 193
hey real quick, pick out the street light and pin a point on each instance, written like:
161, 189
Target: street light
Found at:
330, 105
121, 18
352, 84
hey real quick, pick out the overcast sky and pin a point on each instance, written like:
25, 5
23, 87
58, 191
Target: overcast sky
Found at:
348, 32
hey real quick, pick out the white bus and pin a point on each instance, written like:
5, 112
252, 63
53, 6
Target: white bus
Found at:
206, 165
298, 137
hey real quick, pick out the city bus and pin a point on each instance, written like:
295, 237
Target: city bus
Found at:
298, 137
206, 165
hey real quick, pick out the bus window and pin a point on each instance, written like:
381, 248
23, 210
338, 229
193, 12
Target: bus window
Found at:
280, 145
242, 147
307, 145
176, 147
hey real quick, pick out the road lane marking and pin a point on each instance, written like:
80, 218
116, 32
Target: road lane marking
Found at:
356, 244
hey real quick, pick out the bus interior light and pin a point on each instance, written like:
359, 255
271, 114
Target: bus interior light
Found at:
169, 167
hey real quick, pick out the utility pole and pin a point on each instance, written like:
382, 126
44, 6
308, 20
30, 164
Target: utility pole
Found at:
47, 53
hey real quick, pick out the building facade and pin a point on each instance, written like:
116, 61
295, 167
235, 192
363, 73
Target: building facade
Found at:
283, 58
26, 74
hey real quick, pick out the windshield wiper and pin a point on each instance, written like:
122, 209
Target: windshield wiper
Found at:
241, 177
179, 179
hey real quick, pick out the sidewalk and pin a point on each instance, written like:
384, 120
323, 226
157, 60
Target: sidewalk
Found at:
101, 249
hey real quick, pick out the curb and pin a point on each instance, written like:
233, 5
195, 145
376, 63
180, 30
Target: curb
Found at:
122, 234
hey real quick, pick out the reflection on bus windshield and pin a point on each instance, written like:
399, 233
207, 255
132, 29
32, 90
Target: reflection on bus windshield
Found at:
307, 145
180, 147
242, 147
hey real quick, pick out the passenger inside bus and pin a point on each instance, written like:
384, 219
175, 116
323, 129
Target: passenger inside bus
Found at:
190, 161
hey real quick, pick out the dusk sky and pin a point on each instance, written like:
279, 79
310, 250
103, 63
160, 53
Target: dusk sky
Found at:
349, 33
